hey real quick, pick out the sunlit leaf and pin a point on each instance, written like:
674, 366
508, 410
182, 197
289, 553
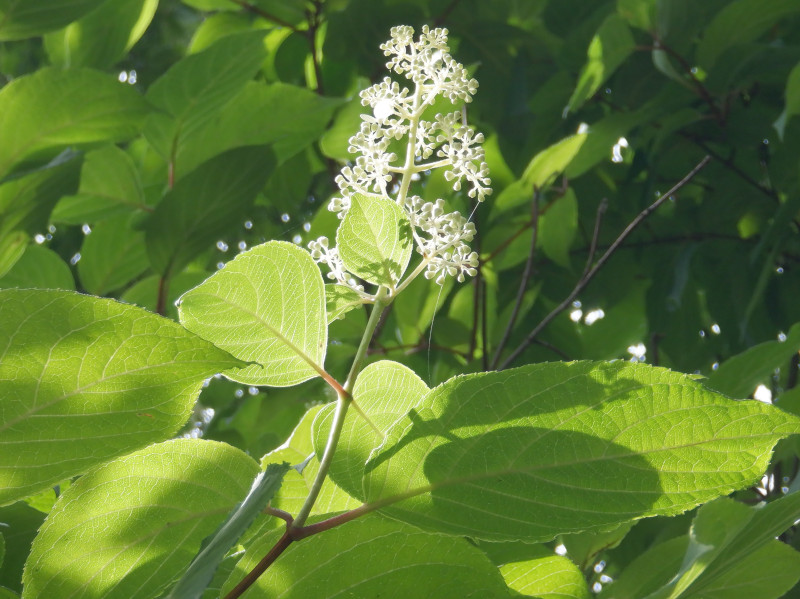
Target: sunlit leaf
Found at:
563, 447
129, 527
374, 239
266, 306
373, 557
85, 379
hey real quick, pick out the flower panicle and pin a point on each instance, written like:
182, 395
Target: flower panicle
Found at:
446, 141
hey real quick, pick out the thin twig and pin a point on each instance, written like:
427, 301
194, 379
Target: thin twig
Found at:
246, 582
585, 279
283, 515
601, 210
523, 284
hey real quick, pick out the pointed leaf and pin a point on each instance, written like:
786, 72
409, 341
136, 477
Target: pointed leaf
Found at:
205, 204
127, 528
384, 391
102, 37
195, 88
85, 379
53, 108
339, 300
40, 268
110, 185
200, 572
740, 375
563, 447
373, 557
608, 49
296, 485
374, 239
547, 577
21, 18
112, 255
266, 306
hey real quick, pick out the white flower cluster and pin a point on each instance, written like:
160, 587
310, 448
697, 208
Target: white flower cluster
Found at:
444, 142
323, 254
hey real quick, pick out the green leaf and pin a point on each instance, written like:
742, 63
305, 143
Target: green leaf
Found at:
205, 204
649, 571
557, 228
85, 379
112, 255
127, 528
540, 172
102, 37
21, 18
374, 239
740, 375
638, 13
339, 300
12, 247
583, 548
748, 18
556, 448
296, 485
26, 202
792, 95
288, 117
40, 268
200, 572
385, 391
52, 108
20, 523
727, 535
547, 577
190, 97
265, 306
110, 185
373, 557
609, 48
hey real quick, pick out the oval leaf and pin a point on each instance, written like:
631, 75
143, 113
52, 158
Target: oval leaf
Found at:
55, 108
84, 379
266, 306
21, 18
384, 391
374, 239
128, 527
373, 557
547, 577
556, 448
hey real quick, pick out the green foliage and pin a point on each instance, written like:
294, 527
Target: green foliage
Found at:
181, 154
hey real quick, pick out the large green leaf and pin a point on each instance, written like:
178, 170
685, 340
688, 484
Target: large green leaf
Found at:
297, 449
195, 88
128, 528
374, 239
22, 18
205, 204
286, 116
40, 268
52, 108
200, 572
85, 379
372, 557
384, 391
110, 184
724, 538
748, 18
267, 307
563, 447
608, 49
112, 255
102, 37
548, 576
740, 375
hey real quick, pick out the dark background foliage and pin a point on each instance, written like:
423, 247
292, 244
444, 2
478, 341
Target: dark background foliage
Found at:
591, 110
